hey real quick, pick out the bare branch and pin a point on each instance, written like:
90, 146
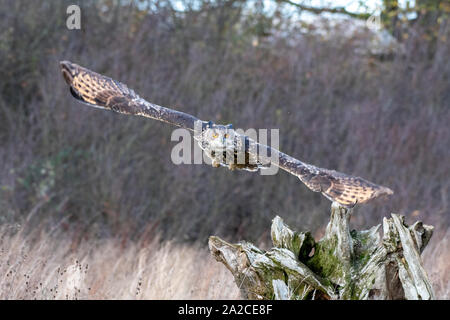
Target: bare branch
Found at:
317, 10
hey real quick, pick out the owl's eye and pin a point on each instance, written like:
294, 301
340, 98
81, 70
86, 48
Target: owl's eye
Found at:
215, 135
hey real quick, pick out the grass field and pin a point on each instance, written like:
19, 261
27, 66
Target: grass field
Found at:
38, 267
35, 266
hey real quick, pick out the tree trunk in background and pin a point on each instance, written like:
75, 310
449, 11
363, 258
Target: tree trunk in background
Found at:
389, 17
429, 14
344, 264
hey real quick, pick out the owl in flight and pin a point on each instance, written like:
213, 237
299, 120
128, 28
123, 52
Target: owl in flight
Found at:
221, 143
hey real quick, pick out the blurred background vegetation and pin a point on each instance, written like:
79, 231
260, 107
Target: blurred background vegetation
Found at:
377, 112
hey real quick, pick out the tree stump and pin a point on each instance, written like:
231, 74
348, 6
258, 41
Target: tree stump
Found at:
343, 264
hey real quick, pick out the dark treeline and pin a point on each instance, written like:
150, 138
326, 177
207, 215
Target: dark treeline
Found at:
92, 173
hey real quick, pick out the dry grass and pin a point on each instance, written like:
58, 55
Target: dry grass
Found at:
38, 266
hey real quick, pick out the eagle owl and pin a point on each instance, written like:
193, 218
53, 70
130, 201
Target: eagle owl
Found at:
227, 148
221, 143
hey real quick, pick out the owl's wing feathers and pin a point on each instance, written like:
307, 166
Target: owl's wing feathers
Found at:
336, 186
345, 189
99, 91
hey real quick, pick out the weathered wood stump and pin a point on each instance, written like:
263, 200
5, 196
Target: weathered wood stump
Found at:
343, 264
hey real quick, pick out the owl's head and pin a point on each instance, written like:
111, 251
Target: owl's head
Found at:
219, 137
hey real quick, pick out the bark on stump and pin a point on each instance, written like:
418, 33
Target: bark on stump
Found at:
344, 264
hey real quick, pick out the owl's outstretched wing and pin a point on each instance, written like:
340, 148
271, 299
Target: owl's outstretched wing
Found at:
345, 189
99, 91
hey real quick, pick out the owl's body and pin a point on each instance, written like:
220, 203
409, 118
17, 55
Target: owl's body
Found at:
227, 148
221, 143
